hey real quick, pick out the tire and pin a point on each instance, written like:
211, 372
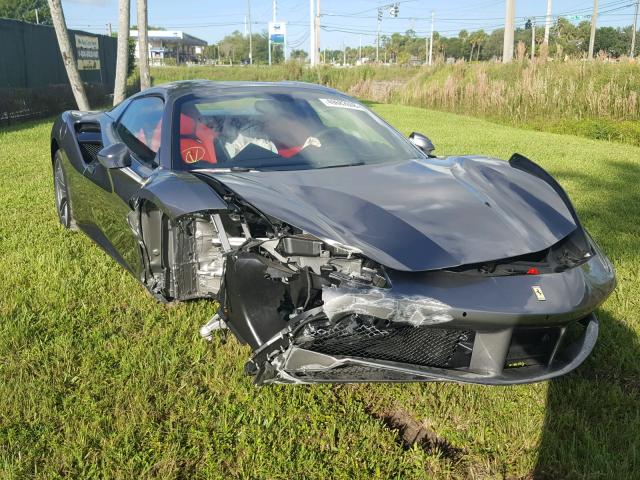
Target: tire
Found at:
61, 190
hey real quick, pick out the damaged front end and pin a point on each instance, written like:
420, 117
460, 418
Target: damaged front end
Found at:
317, 311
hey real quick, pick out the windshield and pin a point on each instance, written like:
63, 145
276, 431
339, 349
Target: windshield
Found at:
283, 131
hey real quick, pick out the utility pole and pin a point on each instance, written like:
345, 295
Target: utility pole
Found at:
360, 50
431, 39
344, 55
547, 23
635, 28
509, 23
378, 36
533, 39
109, 29
312, 37
273, 20
594, 19
37, 19
250, 39
318, 49
426, 50
275, 9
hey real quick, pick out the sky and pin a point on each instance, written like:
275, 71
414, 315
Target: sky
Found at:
342, 21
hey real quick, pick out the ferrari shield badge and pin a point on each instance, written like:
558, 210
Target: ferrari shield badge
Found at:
539, 293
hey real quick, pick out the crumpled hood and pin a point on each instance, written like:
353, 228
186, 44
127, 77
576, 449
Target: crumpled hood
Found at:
415, 215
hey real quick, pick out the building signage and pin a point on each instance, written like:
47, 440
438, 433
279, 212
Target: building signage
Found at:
88, 52
277, 32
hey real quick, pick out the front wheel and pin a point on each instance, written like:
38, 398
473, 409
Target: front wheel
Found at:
63, 207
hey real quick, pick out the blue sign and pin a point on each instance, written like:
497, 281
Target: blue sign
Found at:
277, 38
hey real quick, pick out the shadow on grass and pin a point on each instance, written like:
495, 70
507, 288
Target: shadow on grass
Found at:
592, 424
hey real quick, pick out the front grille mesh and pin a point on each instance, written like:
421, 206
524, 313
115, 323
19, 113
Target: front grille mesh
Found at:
425, 346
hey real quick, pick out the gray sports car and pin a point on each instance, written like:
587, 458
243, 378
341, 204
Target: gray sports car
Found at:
337, 249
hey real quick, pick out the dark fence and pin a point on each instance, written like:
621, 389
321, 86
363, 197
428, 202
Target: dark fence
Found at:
33, 80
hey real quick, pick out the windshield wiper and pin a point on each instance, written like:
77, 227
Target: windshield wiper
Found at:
355, 164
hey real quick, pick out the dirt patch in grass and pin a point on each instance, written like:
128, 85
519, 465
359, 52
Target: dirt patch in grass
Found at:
411, 431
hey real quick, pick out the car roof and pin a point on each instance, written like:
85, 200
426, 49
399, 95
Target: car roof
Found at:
175, 90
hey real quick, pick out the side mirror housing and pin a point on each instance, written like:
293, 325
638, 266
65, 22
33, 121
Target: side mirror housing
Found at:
115, 156
423, 143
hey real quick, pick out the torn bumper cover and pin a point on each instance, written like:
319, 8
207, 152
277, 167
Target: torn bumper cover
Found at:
439, 326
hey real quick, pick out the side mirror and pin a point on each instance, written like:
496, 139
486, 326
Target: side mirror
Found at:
115, 156
423, 143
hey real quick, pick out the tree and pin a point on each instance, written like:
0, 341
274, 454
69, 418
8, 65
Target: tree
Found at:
68, 58
476, 39
612, 41
120, 87
235, 47
143, 45
298, 54
25, 10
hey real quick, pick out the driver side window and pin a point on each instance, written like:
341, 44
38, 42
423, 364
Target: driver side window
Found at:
139, 129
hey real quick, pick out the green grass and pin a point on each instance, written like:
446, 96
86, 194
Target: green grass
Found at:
97, 380
599, 100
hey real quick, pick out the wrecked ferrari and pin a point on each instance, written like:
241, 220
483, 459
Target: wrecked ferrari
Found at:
337, 249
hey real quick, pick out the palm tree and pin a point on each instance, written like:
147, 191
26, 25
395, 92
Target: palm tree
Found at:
69, 60
481, 37
143, 45
120, 87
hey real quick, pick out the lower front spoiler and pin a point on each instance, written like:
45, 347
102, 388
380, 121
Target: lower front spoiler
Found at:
302, 366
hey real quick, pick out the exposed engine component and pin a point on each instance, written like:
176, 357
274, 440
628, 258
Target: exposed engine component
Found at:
197, 261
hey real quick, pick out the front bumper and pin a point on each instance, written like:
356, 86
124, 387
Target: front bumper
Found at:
445, 326
300, 365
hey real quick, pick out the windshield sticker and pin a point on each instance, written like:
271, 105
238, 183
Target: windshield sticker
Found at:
337, 103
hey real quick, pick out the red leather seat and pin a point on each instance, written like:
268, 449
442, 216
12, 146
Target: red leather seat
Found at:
196, 141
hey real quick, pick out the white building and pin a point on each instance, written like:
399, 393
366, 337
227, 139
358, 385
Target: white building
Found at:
174, 44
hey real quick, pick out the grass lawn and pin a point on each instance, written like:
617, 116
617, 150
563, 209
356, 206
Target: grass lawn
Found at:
97, 380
